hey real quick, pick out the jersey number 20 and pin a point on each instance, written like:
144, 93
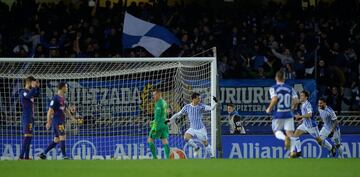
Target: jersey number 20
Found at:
284, 101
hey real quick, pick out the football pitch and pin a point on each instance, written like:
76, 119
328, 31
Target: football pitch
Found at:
186, 168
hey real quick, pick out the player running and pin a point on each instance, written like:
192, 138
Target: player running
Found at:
285, 99
331, 127
197, 129
308, 125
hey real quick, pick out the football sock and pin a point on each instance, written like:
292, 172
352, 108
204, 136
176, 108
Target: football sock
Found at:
27, 146
280, 135
51, 145
192, 143
62, 147
167, 151
153, 149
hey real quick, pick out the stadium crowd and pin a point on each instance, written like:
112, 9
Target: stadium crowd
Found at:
253, 41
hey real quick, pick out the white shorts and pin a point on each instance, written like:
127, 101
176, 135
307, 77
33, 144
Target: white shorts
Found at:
200, 134
313, 131
324, 133
283, 124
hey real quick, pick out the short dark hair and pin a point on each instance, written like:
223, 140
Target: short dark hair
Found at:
194, 95
322, 99
61, 85
231, 105
280, 75
306, 93
29, 79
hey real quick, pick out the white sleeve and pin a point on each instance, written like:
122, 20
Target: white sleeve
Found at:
175, 116
210, 108
272, 92
294, 94
333, 115
178, 114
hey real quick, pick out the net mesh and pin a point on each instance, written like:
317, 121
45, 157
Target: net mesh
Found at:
112, 100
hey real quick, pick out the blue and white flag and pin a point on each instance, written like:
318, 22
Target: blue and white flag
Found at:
154, 38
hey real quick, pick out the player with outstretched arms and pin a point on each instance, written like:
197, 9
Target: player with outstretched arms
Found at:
194, 112
159, 128
27, 96
284, 98
57, 112
331, 127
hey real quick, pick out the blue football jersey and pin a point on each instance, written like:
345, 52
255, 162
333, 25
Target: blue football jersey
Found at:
58, 105
27, 104
285, 94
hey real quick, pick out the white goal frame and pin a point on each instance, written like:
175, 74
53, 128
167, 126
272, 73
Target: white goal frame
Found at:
213, 68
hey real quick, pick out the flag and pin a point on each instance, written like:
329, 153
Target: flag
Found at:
154, 38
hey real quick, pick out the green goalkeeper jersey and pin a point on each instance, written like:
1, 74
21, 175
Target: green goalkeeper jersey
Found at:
160, 113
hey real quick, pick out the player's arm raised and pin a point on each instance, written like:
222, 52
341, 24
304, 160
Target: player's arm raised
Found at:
210, 108
35, 91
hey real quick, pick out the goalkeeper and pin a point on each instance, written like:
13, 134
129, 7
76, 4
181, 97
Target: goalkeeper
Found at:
159, 128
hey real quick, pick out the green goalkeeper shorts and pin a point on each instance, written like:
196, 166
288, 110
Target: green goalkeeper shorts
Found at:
162, 133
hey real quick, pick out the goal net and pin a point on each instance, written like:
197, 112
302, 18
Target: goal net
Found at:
113, 102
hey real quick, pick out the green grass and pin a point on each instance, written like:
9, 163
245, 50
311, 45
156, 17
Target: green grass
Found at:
186, 168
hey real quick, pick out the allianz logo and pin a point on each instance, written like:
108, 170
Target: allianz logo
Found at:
85, 149
310, 149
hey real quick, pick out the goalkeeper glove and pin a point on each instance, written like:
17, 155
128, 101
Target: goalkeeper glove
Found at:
215, 99
167, 121
331, 134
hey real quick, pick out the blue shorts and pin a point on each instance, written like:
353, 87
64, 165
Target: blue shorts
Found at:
59, 130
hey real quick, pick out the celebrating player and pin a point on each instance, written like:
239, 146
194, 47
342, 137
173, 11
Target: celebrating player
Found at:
159, 129
331, 127
27, 96
56, 119
308, 125
284, 98
197, 129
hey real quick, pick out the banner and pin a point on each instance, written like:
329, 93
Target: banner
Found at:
267, 146
135, 147
97, 147
251, 97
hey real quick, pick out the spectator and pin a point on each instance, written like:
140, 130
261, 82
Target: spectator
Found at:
223, 67
285, 57
21, 49
256, 44
234, 120
289, 72
322, 77
335, 98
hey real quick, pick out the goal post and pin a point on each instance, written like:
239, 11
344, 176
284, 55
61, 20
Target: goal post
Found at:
113, 98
